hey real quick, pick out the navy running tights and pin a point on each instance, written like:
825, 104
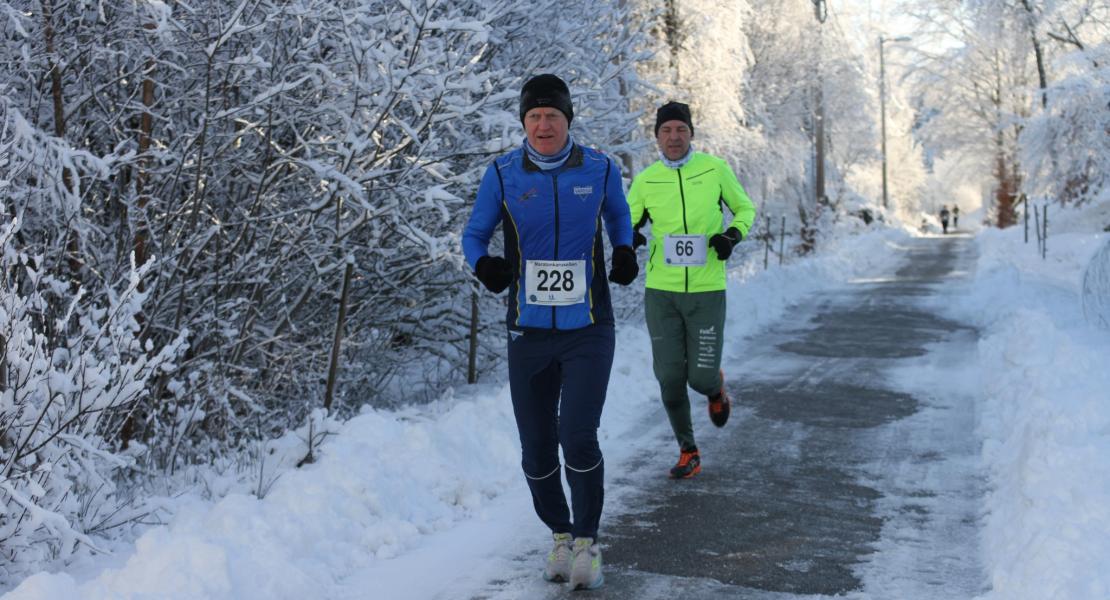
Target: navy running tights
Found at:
558, 381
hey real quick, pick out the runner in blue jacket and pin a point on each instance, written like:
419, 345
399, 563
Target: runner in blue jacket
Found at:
551, 197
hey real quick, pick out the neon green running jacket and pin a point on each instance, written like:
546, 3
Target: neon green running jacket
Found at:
688, 201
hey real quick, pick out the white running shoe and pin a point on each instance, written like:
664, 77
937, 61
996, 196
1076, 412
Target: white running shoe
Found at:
558, 560
585, 569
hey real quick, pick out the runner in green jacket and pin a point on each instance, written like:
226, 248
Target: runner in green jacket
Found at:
682, 195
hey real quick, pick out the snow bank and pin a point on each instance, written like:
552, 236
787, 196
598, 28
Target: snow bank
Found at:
384, 481
1044, 419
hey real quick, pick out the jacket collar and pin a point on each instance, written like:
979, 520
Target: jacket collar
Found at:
574, 160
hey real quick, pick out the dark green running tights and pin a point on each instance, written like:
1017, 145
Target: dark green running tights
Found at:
687, 334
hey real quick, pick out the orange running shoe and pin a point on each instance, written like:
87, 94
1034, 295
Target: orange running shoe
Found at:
689, 464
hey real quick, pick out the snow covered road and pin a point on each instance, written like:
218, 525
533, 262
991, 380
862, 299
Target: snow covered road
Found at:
850, 466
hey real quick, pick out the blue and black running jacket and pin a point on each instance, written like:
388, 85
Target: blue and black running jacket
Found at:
552, 215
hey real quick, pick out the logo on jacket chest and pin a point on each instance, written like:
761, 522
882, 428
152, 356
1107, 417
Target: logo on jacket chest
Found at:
528, 195
583, 191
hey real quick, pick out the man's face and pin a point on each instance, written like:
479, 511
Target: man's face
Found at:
547, 129
674, 139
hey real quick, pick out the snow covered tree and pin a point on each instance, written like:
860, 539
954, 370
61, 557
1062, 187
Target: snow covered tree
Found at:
1065, 145
754, 80
73, 369
250, 151
996, 89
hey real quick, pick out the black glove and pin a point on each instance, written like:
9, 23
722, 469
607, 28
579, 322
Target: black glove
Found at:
624, 269
494, 272
723, 242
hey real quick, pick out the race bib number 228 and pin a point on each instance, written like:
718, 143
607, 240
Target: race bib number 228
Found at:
555, 282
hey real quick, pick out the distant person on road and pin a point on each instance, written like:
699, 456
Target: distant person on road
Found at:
551, 196
955, 217
944, 217
682, 194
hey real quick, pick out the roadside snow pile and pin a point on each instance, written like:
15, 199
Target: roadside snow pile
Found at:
1096, 288
1044, 419
378, 486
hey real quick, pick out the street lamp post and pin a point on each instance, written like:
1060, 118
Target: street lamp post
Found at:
882, 103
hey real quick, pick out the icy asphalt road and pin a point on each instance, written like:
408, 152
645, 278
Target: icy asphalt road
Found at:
849, 468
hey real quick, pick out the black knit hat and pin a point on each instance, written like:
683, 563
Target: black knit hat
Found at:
673, 111
546, 90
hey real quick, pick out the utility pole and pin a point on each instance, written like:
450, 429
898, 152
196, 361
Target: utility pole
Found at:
820, 11
819, 130
882, 107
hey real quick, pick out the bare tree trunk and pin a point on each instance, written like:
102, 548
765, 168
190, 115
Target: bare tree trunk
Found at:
146, 127
1005, 173
1006, 192
55, 72
1038, 51
141, 237
672, 29
58, 98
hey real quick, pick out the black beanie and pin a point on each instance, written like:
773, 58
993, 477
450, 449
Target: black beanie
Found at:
546, 90
673, 111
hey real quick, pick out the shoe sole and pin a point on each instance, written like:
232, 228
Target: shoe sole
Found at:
696, 470
581, 587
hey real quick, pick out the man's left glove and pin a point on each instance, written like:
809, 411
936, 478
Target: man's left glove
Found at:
723, 242
624, 269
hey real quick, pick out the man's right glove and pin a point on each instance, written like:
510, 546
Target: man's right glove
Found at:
723, 242
494, 272
638, 239
624, 269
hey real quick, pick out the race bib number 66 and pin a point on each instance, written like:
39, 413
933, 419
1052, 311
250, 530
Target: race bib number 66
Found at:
684, 250
555, 282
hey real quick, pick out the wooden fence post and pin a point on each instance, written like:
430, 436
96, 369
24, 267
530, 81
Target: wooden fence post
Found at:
766, 241
1037, 227
1025, 202
1044, 222
3, 364
472, 358
782, 239
333, 365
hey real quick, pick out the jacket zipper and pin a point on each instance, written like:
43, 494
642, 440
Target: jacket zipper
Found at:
555, 186
685, 227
